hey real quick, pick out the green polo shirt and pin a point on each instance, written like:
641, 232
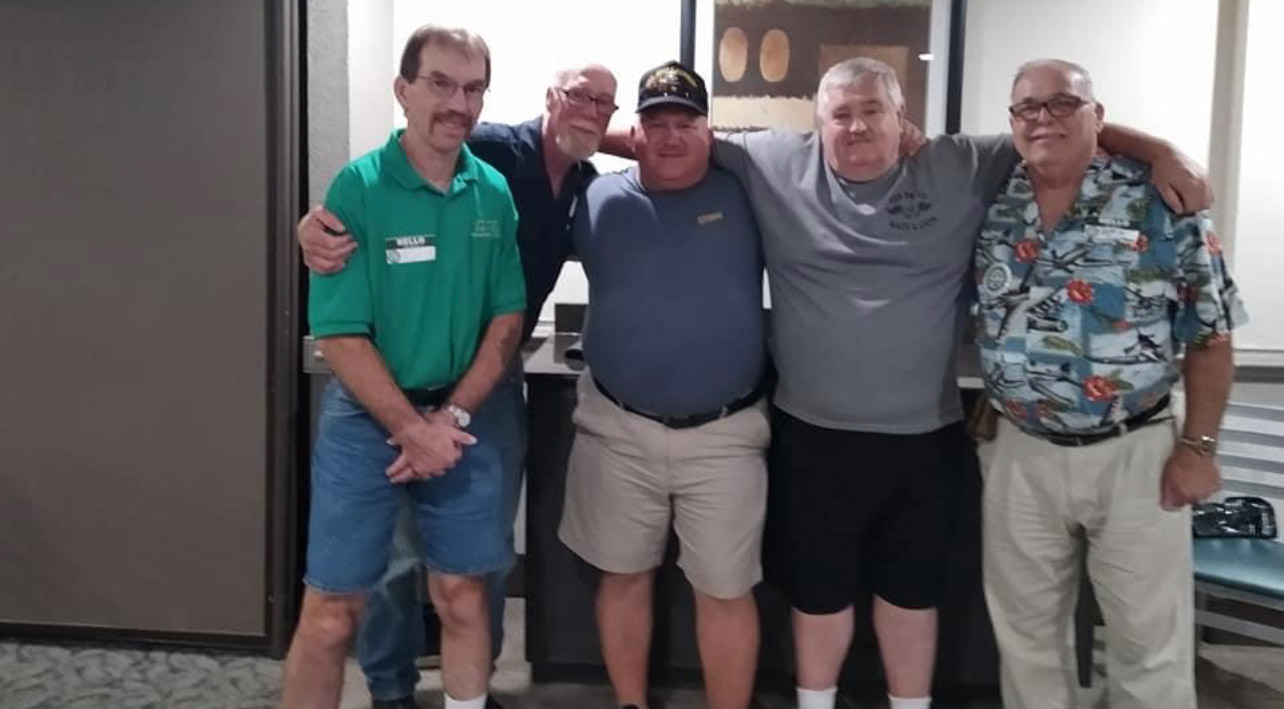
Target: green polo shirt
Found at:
431, 269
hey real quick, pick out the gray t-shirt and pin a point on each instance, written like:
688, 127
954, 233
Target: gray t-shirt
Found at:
675, 322
868, 280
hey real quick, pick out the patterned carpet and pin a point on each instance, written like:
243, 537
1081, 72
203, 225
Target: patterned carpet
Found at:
57, 677
50, 676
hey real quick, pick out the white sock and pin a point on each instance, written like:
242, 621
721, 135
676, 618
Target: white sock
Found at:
903, 703
475, 703
816, 698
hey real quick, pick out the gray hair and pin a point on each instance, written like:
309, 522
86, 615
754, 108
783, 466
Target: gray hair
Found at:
561, 76
851, 71
1085, 80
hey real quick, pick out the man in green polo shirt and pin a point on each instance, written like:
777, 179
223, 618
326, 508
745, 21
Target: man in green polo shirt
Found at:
417, 330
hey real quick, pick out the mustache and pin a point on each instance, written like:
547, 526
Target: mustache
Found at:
455, 116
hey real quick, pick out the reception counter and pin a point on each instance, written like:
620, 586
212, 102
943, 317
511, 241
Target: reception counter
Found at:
561, 632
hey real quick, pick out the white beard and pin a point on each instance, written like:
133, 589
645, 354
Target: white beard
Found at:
572, 144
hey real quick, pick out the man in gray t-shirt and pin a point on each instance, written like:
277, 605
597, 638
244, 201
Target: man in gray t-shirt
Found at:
868, 256
871, 271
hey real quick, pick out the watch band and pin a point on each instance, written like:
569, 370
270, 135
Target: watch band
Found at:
1204, 445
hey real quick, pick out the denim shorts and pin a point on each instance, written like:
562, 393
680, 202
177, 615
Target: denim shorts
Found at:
459, 516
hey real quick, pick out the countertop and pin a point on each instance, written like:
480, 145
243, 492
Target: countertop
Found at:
546, 356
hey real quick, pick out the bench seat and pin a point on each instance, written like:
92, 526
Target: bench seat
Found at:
1249, 565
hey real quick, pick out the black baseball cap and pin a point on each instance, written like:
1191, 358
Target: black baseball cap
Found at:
673, 84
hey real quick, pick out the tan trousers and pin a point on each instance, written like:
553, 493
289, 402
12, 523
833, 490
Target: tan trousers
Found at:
1044, 506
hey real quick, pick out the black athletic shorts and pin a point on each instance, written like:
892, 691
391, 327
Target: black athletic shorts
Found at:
850, 512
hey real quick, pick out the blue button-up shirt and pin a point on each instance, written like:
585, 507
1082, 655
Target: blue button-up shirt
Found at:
544, 221
1079, 325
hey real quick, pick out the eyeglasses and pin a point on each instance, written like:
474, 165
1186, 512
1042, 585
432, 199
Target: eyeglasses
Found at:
1059, 106
579, 98
444, 87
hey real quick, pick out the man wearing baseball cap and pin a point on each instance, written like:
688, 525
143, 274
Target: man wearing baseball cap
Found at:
671, 424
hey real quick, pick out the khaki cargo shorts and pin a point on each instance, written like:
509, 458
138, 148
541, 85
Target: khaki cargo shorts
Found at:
630, 478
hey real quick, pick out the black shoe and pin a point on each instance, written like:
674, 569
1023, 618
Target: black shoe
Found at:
491, 703
399, 703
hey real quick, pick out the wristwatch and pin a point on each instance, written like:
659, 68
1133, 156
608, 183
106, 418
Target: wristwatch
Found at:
461, 415
1203, 445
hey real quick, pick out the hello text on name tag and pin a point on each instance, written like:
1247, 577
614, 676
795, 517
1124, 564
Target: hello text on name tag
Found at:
410, 249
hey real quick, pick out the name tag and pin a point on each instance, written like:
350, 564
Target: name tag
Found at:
410, 249
708, 218
1103, 234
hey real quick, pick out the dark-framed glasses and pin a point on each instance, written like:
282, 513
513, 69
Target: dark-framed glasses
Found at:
444, 87
580, 98
1059, 106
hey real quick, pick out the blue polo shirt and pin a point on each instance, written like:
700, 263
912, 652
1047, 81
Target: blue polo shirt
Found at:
544, 221
675, 323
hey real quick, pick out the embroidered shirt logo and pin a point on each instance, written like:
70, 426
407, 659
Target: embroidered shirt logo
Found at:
486, 229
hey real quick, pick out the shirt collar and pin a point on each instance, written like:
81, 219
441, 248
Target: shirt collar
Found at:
398, 166
1096, 168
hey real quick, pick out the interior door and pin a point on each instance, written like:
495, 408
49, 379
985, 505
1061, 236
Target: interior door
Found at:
146, 322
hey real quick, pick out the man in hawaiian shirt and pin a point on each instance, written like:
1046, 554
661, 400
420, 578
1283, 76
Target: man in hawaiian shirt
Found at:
1089, 289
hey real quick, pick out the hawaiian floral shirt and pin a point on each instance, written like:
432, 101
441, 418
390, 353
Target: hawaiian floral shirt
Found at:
1079, 327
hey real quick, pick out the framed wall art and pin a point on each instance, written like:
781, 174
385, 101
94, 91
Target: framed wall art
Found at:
763, 58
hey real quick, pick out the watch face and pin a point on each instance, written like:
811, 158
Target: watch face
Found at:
462, 417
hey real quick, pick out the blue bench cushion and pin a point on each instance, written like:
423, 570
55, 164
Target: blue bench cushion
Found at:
1253, 565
